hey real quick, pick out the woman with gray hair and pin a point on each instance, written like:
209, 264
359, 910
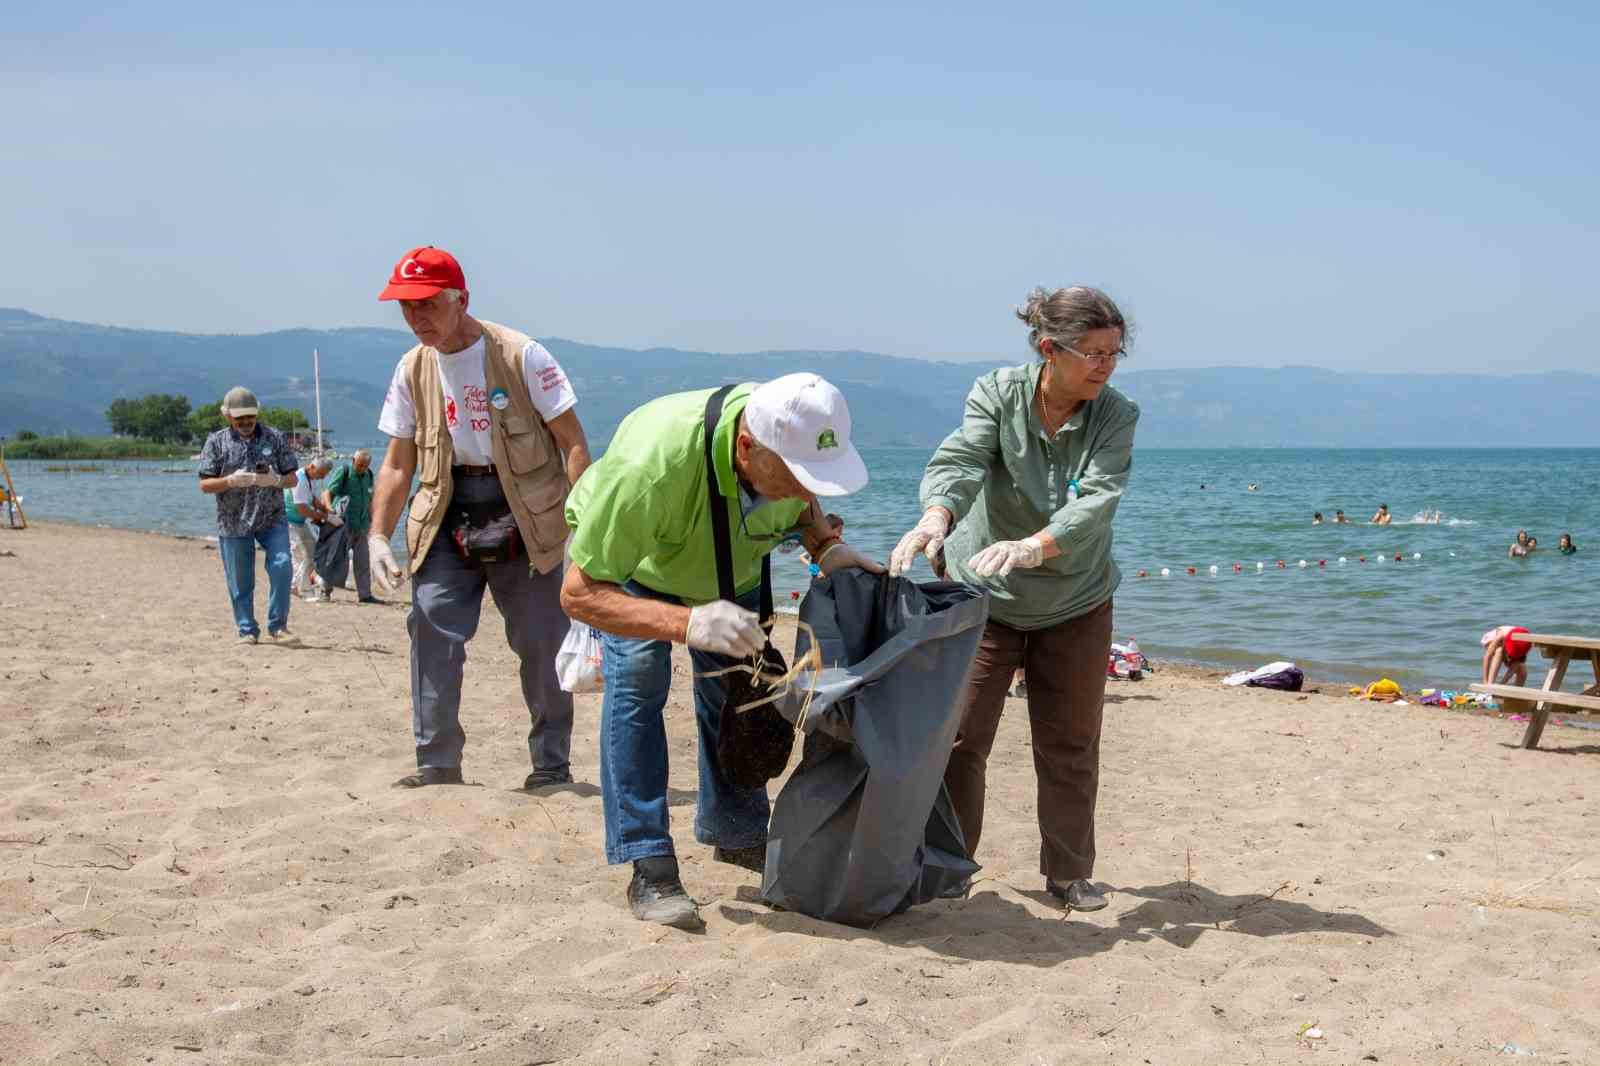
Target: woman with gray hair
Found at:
1019, 502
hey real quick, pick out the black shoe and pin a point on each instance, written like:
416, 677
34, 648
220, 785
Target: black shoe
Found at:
546, 778
656, 895
431, 775
753, 858
1079, 895
373, 599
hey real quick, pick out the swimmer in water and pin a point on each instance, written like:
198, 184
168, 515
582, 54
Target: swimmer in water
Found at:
1339, 519
1382, 517
1252, 486
1316, 518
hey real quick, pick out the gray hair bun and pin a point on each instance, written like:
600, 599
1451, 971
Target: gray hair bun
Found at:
1064, 315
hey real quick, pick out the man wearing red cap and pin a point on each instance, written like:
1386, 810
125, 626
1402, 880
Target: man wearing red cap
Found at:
484, 416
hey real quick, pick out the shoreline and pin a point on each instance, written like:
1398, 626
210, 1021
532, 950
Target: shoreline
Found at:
1188, 670
1167, 659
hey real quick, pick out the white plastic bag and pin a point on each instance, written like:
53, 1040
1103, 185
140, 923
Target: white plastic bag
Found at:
578, 661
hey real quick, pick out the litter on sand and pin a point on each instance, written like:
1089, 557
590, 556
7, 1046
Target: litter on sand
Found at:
1284, 676
1126, 662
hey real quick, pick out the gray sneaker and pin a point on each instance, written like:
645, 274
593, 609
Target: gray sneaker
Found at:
656, 895
1079, 895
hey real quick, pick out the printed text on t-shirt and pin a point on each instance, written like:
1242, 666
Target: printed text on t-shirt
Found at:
477, 404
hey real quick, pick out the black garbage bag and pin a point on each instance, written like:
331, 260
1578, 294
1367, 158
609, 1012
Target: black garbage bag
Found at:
333, 555
864, 828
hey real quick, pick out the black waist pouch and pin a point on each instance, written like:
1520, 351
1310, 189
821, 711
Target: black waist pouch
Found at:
753, 744
480, 523
496, 541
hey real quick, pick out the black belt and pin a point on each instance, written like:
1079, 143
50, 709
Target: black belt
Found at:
472, 471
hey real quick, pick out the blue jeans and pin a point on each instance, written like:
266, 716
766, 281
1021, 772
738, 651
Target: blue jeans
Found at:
239, 566
633, 750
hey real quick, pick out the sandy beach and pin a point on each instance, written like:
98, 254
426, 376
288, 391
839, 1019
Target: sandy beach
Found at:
202, 860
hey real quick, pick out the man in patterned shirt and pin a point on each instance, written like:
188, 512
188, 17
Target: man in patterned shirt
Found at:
247, 466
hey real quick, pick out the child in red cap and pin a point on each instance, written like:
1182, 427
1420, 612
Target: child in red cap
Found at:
1505, 648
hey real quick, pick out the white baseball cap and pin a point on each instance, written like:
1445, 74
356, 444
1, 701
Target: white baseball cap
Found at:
805, 420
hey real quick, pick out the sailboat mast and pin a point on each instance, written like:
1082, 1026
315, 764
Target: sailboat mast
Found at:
316, 372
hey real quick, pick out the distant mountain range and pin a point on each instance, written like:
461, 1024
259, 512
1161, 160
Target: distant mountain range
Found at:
58, 376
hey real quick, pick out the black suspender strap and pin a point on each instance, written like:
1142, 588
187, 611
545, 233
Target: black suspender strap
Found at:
719, 516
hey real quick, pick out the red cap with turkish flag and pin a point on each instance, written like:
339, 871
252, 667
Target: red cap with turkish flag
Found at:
424, 272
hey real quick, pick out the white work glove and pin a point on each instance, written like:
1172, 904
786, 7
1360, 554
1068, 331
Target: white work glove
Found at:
241, 479
334, 520
926, 538
726, 629
385, 571
1003, 556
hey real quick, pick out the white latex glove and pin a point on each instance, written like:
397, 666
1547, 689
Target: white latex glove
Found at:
334, 520
726, 629
385, 571
926, 538
242, 479
840, 555
1003, 556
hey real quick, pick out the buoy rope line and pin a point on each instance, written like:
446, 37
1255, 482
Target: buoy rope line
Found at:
1283, 564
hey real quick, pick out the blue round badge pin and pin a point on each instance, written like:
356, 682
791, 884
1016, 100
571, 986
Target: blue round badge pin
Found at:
499, 399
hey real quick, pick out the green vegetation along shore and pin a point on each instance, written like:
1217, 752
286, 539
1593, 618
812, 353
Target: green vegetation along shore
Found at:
72, 447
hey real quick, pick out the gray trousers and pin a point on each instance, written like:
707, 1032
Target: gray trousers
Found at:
363, 560
447, 596
303, 550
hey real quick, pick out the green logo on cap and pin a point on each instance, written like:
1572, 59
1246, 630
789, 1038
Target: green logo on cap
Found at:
826, 439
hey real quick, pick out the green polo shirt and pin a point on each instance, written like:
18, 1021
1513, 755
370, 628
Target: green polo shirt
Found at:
1005, 478
358, 488
640, 512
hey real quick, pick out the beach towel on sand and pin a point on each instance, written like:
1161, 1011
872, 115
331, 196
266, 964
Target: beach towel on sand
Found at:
864, 828
1284, 676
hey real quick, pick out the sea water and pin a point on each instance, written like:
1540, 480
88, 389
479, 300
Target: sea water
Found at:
1416, 620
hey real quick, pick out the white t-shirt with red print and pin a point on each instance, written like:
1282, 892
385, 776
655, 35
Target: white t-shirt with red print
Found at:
466, 398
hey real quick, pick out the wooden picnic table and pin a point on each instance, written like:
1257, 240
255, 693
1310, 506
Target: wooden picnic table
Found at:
1538, 702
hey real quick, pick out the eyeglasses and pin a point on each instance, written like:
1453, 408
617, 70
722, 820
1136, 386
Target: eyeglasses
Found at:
1103, 358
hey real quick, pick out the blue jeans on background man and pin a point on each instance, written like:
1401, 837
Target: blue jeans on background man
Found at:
633, 750
239, 566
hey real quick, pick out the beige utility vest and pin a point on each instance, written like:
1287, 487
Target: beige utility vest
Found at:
525, 454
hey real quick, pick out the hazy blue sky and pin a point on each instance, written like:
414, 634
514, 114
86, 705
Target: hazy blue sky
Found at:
1361, 185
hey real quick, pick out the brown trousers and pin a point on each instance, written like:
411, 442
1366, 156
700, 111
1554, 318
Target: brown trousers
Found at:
1065, 666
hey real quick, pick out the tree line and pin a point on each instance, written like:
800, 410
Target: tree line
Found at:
168, 419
